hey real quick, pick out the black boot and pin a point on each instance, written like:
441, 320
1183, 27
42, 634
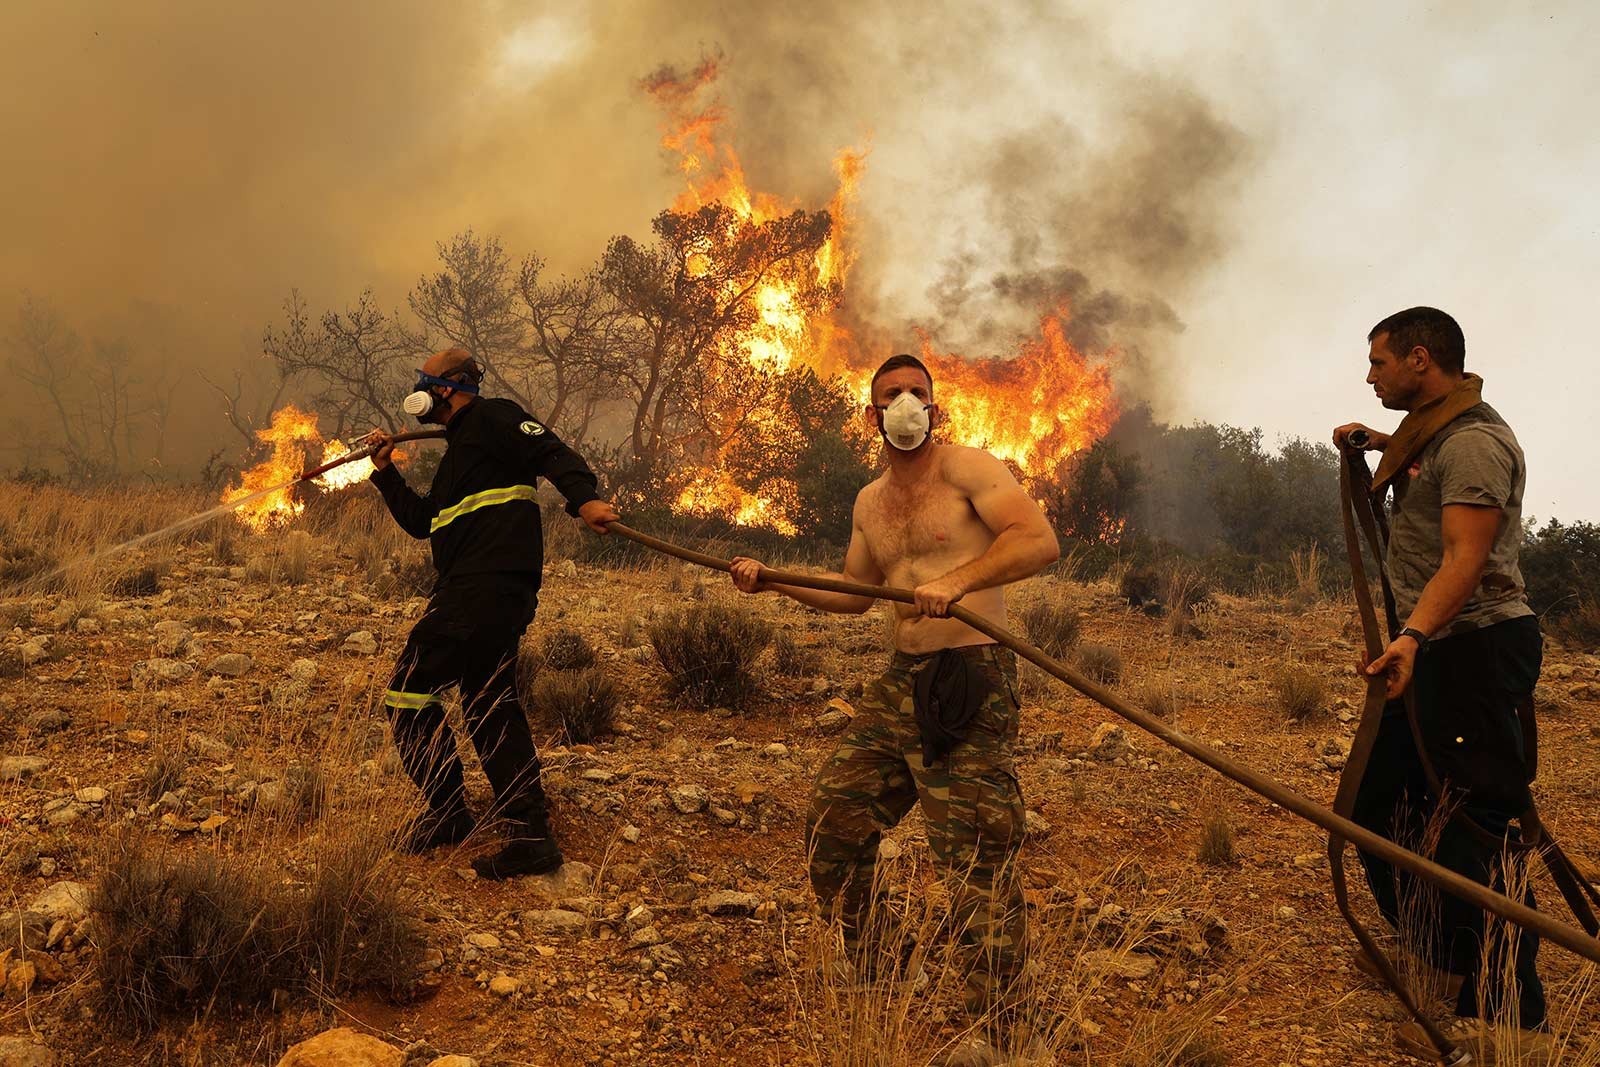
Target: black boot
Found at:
531, 850
438, 827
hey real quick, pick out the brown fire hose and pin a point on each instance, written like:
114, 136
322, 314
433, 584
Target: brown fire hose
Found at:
1568, 937
367, 450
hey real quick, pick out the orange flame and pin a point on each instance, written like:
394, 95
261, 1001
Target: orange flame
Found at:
1036, 409
291, 432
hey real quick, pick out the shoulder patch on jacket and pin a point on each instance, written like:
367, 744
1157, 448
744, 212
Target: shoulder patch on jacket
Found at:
531, 428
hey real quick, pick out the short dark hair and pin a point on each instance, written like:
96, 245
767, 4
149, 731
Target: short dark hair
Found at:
1429, 328
895, 362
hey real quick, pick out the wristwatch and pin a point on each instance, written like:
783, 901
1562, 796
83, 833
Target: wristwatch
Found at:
1416, 635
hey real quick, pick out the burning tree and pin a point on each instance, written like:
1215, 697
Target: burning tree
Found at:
695, 368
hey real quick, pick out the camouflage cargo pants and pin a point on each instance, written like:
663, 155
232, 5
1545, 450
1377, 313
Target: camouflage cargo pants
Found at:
970, 800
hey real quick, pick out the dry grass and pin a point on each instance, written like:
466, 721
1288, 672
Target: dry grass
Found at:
582, 703
1052, 622
709, 651
181, 931
164, 773
1216, 839
1162, 701
792, 660
564, 650
1306, 565
1299, 692
1079, 959
1101, 663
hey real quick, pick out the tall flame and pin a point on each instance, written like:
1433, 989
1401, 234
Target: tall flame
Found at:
291, 432
1035, 409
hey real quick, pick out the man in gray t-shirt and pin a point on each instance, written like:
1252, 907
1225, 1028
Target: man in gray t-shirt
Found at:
1469, 651
1473, 462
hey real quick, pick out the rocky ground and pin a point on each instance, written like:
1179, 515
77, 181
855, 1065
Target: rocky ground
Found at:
682, 929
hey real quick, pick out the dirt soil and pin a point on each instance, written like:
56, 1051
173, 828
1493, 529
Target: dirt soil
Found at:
109, 686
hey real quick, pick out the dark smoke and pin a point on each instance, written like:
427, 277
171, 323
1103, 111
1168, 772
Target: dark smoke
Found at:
173, 171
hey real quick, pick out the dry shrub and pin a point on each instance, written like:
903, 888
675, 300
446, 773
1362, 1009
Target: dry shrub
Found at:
1300, 692
564, 650
1161, 701
225, 550
888, 1005
1216, 839
1141, 586
305, 791
1307, 566
1188, 594
1581, 626
1101, 663
582, 702
709, 651
164, 772
791, 660
296, 557
1052, 623
182, 931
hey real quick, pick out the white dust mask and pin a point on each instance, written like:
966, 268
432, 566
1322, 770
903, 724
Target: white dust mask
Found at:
904, 422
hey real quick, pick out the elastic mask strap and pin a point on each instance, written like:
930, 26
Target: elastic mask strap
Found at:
424, 379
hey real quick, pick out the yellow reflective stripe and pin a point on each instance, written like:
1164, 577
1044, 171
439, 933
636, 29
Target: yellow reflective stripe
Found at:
485, 499
397, 698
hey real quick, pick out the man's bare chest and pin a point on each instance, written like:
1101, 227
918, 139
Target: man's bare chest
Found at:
910, 524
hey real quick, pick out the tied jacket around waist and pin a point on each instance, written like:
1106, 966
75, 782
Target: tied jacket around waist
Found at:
481, 514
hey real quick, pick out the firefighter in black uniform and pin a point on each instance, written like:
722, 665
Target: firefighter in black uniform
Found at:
482, 519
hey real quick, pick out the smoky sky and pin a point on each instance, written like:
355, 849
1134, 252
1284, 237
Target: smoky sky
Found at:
175, 169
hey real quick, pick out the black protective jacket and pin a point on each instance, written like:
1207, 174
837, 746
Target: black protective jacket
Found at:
481, 514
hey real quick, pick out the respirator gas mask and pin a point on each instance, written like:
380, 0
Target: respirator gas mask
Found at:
422, 401
904, 422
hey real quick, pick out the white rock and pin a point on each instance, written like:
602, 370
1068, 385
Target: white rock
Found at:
21, 768
484, 941
64, 900
1109, 742
503, 985
231, 665
303, 671
92, 794
688, 799
361, 643
556, 922
25, 1052
776, 750
730, 902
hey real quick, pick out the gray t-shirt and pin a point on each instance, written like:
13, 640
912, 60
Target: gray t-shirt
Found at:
1474, 460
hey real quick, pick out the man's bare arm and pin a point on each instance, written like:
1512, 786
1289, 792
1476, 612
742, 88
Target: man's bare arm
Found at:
858, 567
1467, 532
1024, 543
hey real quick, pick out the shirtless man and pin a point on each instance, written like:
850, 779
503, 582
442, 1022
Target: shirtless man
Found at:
951, 523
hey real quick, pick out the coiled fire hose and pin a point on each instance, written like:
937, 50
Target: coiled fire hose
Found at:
1339, 826
1359, 510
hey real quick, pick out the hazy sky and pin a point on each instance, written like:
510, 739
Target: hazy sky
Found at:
1275, 177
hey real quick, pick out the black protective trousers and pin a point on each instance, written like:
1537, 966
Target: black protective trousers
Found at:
1467, 689
468, 638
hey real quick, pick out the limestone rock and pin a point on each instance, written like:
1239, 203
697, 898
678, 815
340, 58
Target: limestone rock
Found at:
342, 1047
231, 665
1130, 965
456, 1061
571, 879
172, 638
730, 902
49, 721
25, 1052
21, 768
303, 671
91, 794
162, 670
688, 799
361, 643
1036, 825
503, 985
64, 900
835, 716
556, 922
1109, 742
